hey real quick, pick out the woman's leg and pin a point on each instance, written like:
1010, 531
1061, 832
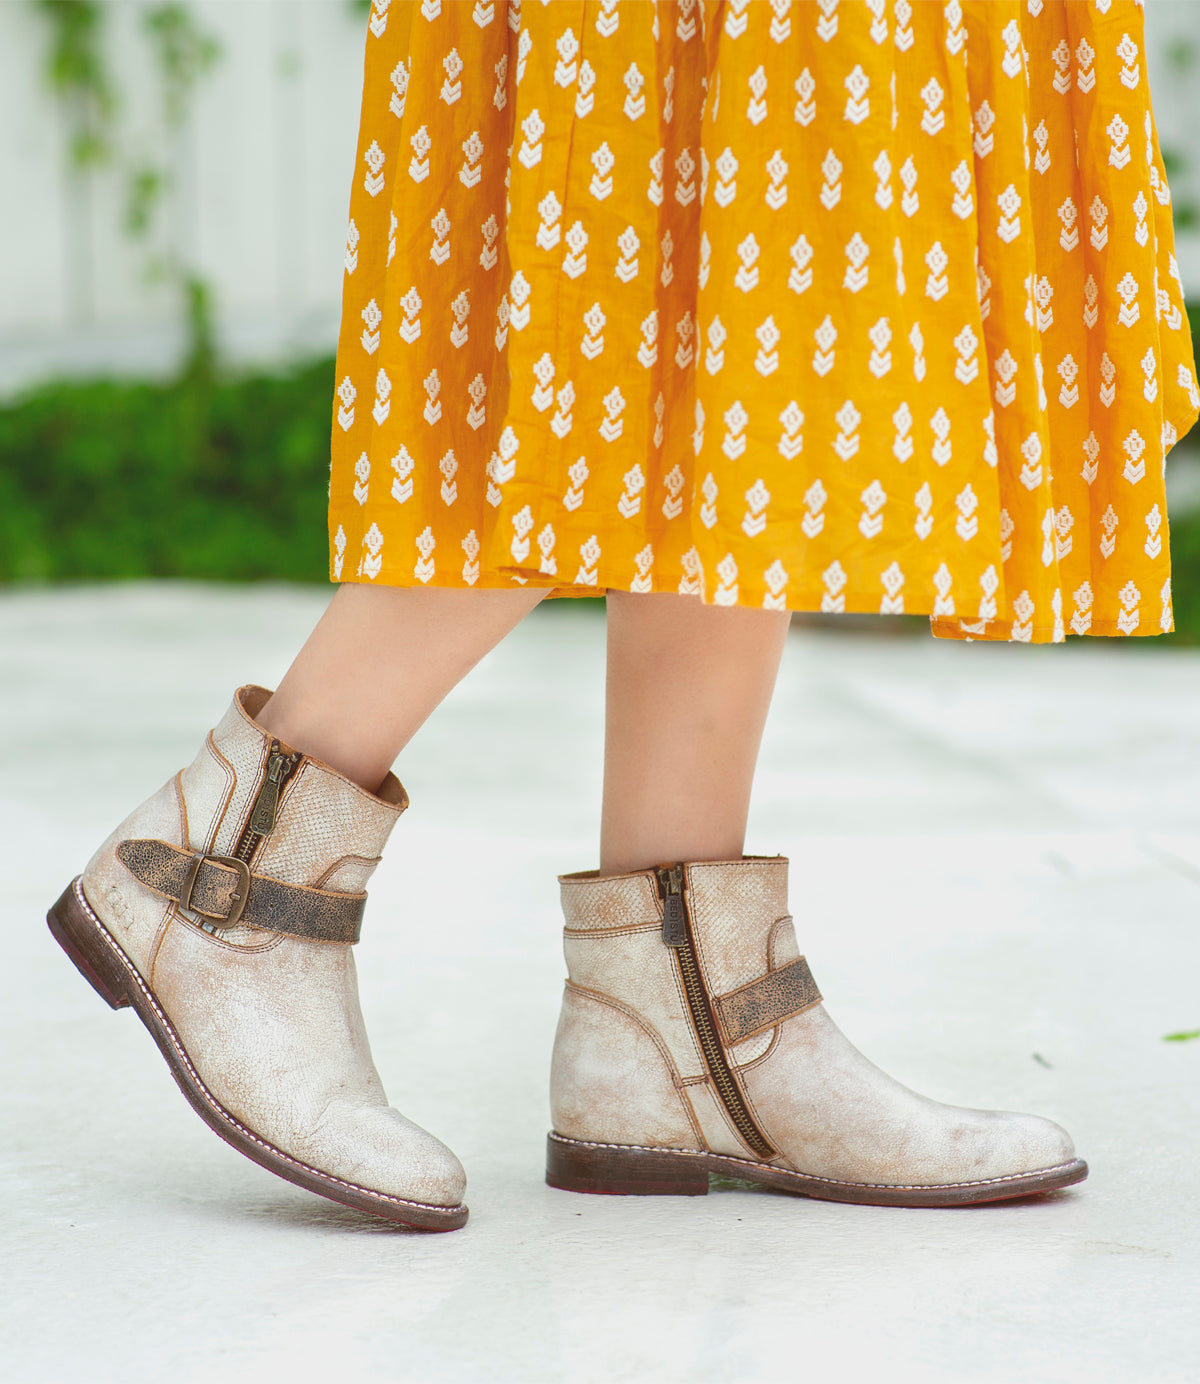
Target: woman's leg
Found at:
379, 661
689, 686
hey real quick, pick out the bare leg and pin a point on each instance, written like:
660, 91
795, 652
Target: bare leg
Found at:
689, 686
379, 661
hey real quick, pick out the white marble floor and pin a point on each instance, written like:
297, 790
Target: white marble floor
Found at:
996, 878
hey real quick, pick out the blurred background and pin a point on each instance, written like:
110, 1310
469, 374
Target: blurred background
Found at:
174, 182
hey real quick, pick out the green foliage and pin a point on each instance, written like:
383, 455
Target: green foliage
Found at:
76, 70
201, 329
1185, 1037
143, 191
203, 478
184, 52
1185, 544
1185, 579
1181, 55
78, 73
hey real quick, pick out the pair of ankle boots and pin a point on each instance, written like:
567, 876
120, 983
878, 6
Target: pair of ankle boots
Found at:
692, 1040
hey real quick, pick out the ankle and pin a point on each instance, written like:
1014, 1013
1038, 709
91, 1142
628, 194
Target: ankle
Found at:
324, 742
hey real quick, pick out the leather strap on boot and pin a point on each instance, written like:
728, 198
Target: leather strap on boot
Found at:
752, 1009
223, 891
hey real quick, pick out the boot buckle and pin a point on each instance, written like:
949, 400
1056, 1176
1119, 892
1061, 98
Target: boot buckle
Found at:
216, 920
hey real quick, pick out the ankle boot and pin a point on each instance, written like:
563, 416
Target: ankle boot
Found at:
693, 1040
223, 911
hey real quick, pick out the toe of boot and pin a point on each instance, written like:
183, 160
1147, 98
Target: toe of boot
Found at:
376, 1147
953, 1146
988, 1145
1011, 1144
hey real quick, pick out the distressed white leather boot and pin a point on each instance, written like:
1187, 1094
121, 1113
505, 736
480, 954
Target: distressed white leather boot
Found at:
694, 1040
223, 910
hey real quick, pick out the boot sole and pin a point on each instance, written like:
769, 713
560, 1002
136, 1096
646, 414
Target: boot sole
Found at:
576, 1165
102, 962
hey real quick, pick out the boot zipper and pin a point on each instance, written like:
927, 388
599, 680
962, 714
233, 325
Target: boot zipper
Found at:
677, 934
281, 765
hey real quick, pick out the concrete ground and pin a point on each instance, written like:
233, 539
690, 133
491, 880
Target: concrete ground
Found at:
996, 878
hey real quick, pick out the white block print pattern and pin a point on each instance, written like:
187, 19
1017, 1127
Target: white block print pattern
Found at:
790, 306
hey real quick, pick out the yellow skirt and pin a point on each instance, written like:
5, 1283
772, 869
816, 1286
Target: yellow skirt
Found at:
855, 306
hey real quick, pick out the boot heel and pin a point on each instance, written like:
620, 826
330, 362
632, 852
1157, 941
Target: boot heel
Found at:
576, 1166
76, 934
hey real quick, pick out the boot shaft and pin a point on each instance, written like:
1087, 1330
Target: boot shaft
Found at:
291, 817
245, 797
627, 935
677, 978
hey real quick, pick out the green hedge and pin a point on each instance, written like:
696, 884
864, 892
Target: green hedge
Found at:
200, 478
220, 479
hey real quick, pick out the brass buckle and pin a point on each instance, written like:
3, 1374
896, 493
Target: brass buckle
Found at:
217, 920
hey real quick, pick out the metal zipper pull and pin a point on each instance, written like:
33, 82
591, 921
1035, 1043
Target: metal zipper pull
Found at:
674, 927
266, 805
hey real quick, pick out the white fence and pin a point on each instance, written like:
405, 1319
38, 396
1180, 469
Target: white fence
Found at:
261, 169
